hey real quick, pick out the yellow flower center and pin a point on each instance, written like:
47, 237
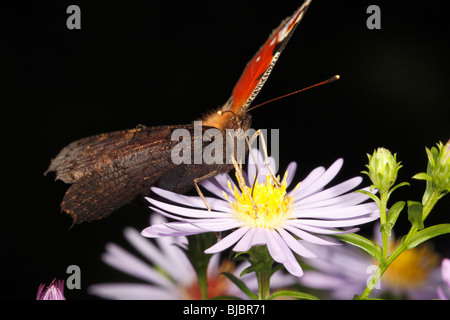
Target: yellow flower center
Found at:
264, 205
412, 268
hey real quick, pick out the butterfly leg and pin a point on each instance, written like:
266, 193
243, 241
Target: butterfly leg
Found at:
242, 185
200, 193
266, 156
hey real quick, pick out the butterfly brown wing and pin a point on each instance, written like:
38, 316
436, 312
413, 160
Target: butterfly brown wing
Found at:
105, 189
110, 170
82, 156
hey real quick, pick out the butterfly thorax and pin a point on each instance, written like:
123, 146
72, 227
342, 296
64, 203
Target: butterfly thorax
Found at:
225, 118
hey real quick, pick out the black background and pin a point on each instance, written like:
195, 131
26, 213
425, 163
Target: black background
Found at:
155, 63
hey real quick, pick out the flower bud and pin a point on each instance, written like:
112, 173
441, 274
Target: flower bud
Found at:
440, 173
383, 168
55, 291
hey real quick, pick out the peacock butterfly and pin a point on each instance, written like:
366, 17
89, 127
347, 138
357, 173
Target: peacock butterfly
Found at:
111, 169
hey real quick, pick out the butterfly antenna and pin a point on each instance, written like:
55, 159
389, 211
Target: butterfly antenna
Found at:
332, 79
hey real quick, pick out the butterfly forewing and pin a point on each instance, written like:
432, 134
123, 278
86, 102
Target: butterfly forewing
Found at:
260, 66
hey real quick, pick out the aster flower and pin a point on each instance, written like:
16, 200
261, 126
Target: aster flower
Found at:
54, 291
443, 291
168, 274
264, 213
346, 270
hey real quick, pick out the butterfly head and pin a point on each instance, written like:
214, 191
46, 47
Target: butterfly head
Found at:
228, 118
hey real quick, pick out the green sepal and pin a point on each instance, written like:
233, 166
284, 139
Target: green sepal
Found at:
238, 256
278, 267
252, 268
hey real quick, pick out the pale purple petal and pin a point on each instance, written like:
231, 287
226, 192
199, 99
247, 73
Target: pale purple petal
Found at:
440, 294
148, 249
170, 246
292, 265
180, 219
295, 245
186, 226
252, 165
187, 212
159, 230
214, 187
307, 236
215, 204
263, 171
223, 179
219, 184
338, 212
122, 260
320, 280
445, 269
338, 223
193, 226
331, 193
246, 242
273, 246
281, 279
217, 225
322, 230
289, 260
167, 255
131, 291
291, 168
228, 241
213, 265
309, 180
346, 200
259, 238
322, 181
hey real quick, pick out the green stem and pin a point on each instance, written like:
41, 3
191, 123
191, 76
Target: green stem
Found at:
384, 235
427, 207
261, 254
203, 284
263, 284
